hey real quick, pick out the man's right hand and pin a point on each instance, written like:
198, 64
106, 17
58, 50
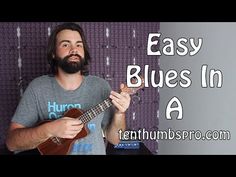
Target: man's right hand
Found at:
65, 127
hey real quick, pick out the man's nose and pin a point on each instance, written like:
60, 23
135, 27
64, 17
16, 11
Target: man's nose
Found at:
74, 50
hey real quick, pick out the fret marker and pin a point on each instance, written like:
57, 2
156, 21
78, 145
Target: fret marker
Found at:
101, 107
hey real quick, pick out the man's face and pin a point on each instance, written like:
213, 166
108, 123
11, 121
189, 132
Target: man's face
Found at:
69, 51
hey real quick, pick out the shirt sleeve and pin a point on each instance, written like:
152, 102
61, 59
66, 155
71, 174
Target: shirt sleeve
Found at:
26, 112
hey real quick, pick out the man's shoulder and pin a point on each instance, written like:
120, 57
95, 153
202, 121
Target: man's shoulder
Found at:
40, 81
96, 79
97, 82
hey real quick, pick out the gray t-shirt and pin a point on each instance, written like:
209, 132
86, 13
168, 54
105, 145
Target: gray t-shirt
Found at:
44, 99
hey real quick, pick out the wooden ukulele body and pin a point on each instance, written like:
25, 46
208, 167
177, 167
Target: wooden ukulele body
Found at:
62, 146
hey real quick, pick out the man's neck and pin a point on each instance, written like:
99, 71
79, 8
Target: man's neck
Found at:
69, 81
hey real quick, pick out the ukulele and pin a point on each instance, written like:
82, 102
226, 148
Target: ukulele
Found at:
62, 146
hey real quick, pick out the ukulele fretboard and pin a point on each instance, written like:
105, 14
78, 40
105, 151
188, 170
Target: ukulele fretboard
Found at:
96, 110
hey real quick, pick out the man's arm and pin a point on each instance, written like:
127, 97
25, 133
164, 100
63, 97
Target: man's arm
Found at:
118, 123
22, 138
121, 102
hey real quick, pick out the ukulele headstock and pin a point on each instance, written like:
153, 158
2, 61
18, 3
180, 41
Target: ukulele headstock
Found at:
133, 90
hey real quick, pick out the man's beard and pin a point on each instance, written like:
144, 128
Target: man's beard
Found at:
68, 66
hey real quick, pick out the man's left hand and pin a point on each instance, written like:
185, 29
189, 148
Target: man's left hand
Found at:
120, 100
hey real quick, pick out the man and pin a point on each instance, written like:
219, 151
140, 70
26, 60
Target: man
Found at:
69, 86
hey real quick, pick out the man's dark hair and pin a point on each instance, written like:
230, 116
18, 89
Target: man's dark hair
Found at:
51, 50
